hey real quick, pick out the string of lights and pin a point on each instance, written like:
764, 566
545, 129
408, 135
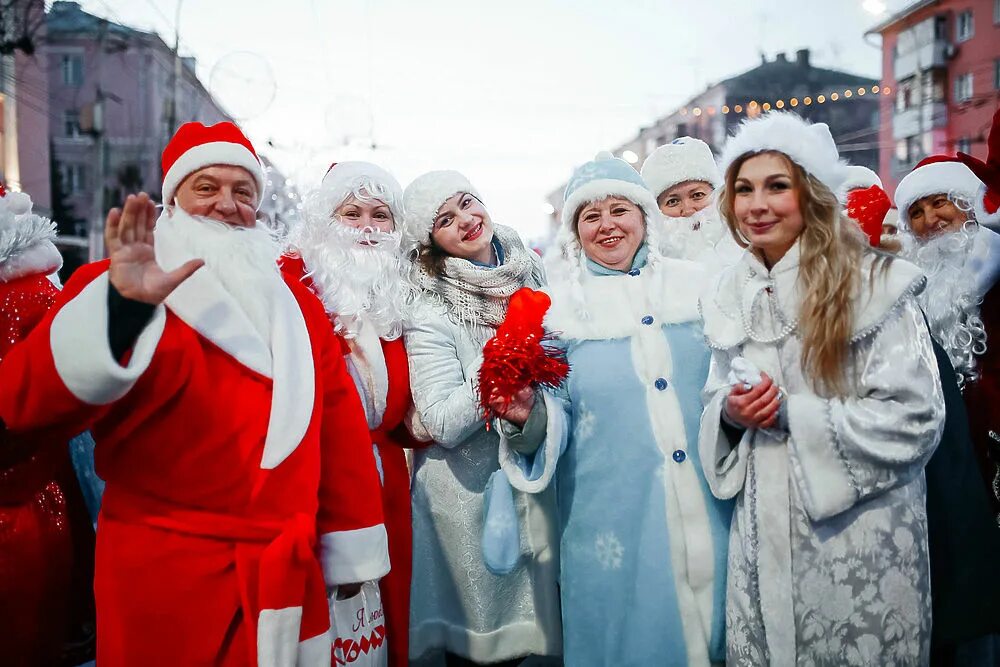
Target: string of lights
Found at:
754, 106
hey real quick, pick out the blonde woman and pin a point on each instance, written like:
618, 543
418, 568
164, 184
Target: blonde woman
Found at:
824, 403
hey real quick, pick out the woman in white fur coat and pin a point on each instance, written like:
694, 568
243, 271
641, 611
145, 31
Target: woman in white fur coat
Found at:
466, 268
643, 542
825, 454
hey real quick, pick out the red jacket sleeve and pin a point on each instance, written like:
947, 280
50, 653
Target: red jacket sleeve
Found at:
353, 540
62, 376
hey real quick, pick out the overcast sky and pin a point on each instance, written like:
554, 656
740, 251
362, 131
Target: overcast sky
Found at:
514, 94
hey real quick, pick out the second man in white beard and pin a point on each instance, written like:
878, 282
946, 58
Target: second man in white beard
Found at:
347, 249
683, 177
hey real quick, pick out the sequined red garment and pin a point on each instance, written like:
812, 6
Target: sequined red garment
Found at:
46, 548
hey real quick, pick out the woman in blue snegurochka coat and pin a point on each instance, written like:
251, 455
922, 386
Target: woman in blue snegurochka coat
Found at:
644, 543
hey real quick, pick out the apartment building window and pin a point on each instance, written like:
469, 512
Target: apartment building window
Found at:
963, 87
907, 95
71, 122
963, 26
72, 70
74, 177
963, 145
911, 149
996, 72
996, 12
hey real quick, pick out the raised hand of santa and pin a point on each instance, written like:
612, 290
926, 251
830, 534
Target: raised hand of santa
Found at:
133, 270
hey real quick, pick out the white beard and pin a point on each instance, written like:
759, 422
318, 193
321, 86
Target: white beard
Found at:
357, 274
243, 260
693, 236
951, 300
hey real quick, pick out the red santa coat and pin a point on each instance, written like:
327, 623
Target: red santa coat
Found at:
983, 396
223, 458
45, 535
383, 375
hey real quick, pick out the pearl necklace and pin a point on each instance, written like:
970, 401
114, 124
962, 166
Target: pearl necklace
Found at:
789, 327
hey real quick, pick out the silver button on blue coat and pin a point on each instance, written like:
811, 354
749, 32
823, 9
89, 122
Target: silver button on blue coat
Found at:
660, 384
680, 455
647, 320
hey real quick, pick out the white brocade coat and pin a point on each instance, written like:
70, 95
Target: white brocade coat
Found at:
456, 603
828, 559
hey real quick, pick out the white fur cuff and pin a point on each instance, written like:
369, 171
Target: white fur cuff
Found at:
81, 350
353, 556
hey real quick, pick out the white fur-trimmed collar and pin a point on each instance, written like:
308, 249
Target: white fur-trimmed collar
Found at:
615, 305
203, 303
737, 291
369, 361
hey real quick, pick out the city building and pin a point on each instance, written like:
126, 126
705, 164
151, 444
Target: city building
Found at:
848, 103
942, 60
111, 95
24, 102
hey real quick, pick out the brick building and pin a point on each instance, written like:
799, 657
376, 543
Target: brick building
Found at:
942, 60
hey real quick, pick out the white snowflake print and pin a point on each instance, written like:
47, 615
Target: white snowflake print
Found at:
609, 551
584, 427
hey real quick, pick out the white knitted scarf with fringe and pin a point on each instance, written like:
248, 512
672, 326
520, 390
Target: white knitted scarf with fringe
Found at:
476, 295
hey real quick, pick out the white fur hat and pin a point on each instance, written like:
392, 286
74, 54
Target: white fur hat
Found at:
422, 200
809, 145
343, 178
683, 159
937, 174
861, 178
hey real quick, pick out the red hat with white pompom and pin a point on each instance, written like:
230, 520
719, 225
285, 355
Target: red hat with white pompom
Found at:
987, 200
935, 175
196, 146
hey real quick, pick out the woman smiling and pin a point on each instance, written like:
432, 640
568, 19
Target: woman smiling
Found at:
643, 548
824, 447
466, 269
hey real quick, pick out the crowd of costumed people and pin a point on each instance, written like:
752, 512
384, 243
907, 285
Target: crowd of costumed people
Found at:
740, 411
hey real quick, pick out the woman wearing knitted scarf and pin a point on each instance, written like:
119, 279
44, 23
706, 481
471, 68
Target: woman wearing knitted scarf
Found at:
466, 269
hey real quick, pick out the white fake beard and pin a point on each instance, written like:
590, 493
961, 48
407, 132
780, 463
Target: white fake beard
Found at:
243, 259
950, 300
358, 275
691, 236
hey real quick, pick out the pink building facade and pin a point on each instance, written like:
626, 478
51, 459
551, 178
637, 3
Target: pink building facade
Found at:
942, 59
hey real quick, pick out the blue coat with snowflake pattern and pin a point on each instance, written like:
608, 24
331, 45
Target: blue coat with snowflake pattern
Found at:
643, 541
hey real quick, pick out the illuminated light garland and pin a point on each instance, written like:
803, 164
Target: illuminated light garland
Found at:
753, 105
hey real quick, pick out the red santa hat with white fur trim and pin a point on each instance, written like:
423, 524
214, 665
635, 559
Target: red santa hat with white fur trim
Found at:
935, 175
683, 159
987, 201
196, 146
809, 145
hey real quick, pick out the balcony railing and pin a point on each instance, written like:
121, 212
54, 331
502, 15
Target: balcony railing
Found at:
919, 119
929, 56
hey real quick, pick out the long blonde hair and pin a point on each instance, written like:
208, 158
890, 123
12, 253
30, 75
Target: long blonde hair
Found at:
831, 247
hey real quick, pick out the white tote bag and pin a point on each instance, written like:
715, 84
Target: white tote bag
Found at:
358, 629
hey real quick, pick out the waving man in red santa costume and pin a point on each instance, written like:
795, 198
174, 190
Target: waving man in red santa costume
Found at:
240, 476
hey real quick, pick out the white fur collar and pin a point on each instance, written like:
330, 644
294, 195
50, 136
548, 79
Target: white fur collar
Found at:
41, 257
203, 304
740, 288
369, 361
615, 305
